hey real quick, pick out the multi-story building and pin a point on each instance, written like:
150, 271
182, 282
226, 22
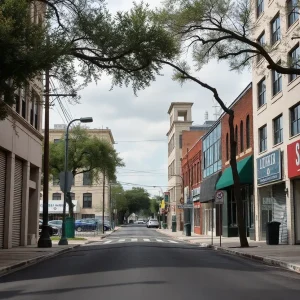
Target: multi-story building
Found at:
276, 118
20, 162
243, 122
87, 196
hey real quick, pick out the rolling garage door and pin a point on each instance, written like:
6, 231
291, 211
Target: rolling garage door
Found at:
17, 205
2, 194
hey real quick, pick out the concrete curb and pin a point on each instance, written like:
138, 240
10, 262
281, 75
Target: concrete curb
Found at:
106, 235
26, 263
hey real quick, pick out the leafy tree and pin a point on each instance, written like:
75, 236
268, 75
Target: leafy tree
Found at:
86, 154
138, 200
124, 46
119, 201
154, 204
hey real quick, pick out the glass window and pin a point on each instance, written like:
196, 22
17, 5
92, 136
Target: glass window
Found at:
180, 141
295, 120
263, 138
275, 29
227, 147
72, 196
87, 200
277, 82
261, 88
241, 136
260, 7
278, 130
56, 196
293, 11
261, 41
87, 178
248, 128
294, 58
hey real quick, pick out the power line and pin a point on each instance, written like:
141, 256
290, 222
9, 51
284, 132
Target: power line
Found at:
140, 141
145, 185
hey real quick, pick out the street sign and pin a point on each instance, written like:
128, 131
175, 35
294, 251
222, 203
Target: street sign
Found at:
186, 205
219, 198
62, 181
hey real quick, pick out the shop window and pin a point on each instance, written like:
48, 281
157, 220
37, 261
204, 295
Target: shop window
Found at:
278, 130
275, 29
263, 138
294, 60
295, 120
87, 200
56, 196
293, 11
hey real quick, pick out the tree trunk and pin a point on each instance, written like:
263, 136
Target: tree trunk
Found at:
71, 206
236, 184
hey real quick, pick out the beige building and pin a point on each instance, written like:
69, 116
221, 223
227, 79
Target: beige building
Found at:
87, 196
20, 162
276, 109
180, 119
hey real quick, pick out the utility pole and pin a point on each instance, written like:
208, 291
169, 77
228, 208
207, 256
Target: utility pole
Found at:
45, 240
103, 204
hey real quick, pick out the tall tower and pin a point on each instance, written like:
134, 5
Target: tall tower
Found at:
180, 119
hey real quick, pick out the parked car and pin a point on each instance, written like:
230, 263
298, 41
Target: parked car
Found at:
89, 225
140, 222
56, 223
152, 223
53, 229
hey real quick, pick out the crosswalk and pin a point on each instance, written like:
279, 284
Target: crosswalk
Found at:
137, 240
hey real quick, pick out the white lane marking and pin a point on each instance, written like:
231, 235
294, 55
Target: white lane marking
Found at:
134, 240
122, 240
161, 241
107, 242
146, 240
172, 242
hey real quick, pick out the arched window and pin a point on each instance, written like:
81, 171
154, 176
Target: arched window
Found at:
227, 147
236, 134
248, 132
242, 136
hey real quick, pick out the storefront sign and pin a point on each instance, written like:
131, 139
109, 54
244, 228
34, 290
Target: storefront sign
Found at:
269, 167
293, 152
56, 207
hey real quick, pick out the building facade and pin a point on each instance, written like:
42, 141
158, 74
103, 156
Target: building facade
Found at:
21, 161
276, 119
87, 196
243, 122
180, 114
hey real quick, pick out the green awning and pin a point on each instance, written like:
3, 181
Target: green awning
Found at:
245, 169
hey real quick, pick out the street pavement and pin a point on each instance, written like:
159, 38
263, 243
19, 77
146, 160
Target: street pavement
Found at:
154, 269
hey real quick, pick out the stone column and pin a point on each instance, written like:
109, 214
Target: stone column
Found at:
10, 174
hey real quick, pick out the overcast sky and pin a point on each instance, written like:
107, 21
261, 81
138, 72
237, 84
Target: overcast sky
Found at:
145, 117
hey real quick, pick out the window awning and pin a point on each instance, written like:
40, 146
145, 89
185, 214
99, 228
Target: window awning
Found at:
245, 170
208, 187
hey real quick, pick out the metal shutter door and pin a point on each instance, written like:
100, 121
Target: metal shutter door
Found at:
2, 194
17, 205
279, 211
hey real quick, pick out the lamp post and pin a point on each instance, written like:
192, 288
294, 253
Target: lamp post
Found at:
63, 240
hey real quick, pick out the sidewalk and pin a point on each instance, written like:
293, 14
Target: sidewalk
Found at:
285, 256
20, 257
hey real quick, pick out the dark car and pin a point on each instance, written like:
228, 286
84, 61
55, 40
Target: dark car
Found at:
53, 229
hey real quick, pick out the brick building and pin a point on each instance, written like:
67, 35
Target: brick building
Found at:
243, 124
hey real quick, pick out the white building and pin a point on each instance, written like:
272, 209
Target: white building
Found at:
276, 109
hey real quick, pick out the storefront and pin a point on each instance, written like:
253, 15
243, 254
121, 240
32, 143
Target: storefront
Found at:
271, 194
55, 209
293, 153
207, 211
229, 212
197, 220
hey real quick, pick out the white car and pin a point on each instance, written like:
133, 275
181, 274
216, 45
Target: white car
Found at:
152, 224
140, 222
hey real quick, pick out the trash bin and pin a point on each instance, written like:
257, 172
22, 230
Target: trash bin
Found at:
272, 233
165, 225
188, 228
174, 225
70, 227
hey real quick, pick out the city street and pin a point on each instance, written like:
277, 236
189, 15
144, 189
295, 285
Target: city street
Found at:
140, 263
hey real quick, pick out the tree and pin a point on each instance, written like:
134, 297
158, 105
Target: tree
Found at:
222, 30
84, 34
154, 204
119, 201
87, 154
138, 200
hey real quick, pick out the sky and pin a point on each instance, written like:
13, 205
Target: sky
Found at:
140, 123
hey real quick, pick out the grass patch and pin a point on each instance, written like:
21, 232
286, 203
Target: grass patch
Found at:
57, 238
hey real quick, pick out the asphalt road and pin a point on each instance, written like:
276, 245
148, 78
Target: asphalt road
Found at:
131, 267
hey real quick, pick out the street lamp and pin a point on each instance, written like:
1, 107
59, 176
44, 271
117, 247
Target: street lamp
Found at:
63, 240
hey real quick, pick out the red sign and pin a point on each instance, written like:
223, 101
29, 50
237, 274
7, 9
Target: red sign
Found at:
196, 205
293, 152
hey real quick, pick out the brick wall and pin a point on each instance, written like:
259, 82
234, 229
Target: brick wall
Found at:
242, 109
189, 139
